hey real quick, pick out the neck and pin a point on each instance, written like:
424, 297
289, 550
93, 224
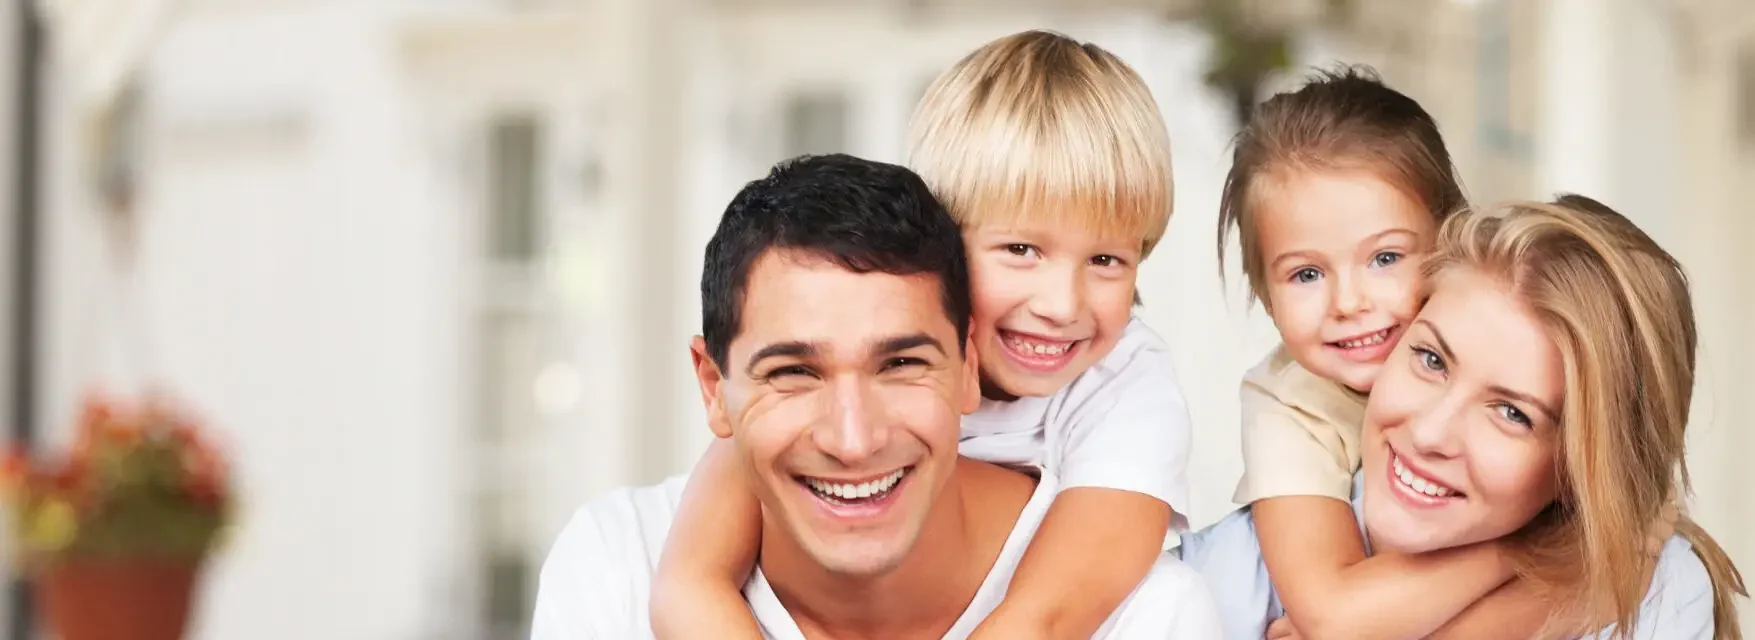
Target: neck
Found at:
925, 594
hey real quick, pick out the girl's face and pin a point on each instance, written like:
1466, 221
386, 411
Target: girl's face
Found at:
1341, 252
1461, 433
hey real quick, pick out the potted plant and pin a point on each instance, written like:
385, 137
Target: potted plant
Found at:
115, 530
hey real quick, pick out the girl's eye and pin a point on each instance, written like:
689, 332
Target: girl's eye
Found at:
1306, 275
1385, 259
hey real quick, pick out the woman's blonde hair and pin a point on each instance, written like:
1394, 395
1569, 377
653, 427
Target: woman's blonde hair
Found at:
1618, 307
1035, 127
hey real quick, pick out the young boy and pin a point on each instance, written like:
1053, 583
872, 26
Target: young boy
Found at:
1054, 159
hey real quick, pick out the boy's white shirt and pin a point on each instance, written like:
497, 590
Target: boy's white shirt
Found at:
597, 579
1122, 424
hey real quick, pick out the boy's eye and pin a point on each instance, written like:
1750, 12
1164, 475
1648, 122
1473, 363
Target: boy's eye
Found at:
1019, 249
1385, 258
1105, 261
1305, 275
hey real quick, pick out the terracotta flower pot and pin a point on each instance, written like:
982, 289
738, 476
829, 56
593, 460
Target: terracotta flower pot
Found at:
128, 599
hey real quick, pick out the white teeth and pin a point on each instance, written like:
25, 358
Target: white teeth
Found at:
1373, 339
1417, 483
843, 491
1038, 348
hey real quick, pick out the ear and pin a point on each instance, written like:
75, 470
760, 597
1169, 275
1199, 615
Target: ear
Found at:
707, 374
971, 390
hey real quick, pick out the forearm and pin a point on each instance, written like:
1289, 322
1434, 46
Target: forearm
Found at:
1516, 610
709, 554
1092, 550
1316, 558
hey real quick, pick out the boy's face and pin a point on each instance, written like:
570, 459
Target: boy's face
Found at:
1341, 254
1049, 302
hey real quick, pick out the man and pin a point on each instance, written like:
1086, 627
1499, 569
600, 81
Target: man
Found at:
835, 359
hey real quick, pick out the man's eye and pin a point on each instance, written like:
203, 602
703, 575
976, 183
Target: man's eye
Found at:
900, 363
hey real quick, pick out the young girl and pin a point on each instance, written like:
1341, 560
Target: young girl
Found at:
1336, 191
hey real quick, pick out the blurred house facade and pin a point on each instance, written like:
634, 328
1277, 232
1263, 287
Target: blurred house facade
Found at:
432, 265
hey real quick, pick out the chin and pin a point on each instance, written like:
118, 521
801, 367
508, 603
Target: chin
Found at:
862, 558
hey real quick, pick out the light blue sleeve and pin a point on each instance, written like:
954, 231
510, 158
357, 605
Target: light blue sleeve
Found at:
1228, 555
1679, 603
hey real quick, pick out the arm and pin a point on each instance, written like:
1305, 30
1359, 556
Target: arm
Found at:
709, 554
1120, 447
1516, 609
1330, 589
1094, 546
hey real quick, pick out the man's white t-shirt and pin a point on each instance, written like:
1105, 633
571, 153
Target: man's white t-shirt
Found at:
1122, 424
596, 581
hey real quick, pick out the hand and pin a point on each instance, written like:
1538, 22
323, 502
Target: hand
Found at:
1282, 629
1661, 529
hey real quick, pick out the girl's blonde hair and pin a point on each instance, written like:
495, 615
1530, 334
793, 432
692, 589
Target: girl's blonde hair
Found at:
1618, 307
1340, 119
1037, 127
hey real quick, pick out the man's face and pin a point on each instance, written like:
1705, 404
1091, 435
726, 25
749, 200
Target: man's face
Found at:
843, 394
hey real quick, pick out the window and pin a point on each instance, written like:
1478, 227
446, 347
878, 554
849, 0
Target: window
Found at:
816, 122
514, 196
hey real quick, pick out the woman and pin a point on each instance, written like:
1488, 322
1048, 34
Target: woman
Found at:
1539, 397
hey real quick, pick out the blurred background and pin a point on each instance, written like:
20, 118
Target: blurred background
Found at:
429, 266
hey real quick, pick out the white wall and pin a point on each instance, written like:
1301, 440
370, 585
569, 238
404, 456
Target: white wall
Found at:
304, 300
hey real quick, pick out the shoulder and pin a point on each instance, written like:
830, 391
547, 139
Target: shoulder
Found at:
1680, 598
1138, 371
1173, 601
598, 573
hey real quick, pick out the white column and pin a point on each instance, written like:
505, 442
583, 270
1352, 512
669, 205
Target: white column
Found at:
645, 176
1572, 137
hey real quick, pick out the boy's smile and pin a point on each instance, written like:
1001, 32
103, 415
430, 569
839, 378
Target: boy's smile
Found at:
1049, 303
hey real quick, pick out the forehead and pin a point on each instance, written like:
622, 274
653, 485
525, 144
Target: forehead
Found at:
798, 297
1299, 208
1496, 339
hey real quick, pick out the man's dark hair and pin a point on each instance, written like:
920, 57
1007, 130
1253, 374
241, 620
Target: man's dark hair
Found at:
862, 215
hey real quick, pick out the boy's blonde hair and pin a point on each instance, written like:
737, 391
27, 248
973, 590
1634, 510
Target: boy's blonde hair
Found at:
1036, 127
1618, 307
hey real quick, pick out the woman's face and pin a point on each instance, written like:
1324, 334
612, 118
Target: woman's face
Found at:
1461, 432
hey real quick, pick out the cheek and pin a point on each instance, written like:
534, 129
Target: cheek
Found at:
991, 288
929, 413
1515, 476
1297, 310
773, 424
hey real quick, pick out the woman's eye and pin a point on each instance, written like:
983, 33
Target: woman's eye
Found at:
1514, 414
1306, 275
1385, 259
1429, 359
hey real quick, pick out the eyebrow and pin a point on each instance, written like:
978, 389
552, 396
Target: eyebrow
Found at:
1498, 389
789, 349
800, 349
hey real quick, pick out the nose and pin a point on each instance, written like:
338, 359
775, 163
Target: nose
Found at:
1437, 431
1349, 298
852, 428
1059, 297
